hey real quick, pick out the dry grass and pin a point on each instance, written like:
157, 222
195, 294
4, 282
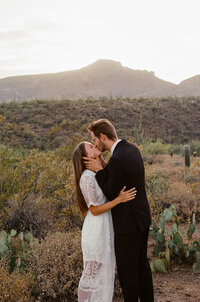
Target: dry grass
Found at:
57, 266
180, 194
184, 187
14, 287
26, 214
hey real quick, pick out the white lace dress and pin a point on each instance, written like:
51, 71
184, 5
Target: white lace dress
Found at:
97, 280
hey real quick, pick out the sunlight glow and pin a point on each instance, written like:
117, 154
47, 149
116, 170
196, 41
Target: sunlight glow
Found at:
39, 36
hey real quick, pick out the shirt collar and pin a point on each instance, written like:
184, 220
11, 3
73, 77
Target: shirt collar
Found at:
114, 145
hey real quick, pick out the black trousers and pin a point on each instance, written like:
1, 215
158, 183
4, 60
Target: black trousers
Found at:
133, 266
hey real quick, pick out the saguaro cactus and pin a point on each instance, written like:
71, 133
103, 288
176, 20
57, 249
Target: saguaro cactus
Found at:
187, 155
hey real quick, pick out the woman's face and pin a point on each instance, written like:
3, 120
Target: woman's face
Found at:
92, 150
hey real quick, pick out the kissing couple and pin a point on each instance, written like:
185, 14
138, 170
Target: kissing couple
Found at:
117, 217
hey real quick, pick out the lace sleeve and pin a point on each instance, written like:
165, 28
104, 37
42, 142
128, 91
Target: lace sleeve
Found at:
87, 185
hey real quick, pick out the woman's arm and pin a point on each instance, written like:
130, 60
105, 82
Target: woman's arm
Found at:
122, 197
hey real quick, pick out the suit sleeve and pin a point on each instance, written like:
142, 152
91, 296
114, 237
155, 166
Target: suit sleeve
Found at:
110, 179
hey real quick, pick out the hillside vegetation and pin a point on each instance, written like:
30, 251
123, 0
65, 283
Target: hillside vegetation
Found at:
40, 223
50, 124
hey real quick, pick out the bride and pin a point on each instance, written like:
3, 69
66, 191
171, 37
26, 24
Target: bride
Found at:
97, 280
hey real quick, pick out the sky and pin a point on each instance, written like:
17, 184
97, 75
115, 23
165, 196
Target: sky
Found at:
42, 36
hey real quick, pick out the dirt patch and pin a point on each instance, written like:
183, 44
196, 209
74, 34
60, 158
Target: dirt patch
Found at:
179, 285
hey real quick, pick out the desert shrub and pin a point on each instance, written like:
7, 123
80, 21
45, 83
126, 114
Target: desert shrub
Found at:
48, 123
69, 219
181, 195
157, 183
9, 179
195, 187
192, 174
27, 214
189, 177
178, 149
14, 287
195, 147
37, 190
158, 147
57, 266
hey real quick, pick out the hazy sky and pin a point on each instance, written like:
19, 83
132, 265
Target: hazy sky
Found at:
39, 36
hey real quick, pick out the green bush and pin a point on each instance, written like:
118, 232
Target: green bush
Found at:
178, 149
154, 148
195, 147
37, 190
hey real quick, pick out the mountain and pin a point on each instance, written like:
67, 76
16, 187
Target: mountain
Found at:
189, 87
102, 78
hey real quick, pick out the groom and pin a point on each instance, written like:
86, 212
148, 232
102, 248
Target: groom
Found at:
132, 219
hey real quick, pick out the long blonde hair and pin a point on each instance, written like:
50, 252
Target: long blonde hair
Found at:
79, 167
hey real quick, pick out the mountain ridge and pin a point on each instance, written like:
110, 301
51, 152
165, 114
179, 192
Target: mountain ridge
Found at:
101, 78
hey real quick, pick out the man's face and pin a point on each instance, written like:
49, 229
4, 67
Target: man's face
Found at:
98, 142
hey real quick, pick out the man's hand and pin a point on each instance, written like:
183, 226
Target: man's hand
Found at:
103, 162
93, 164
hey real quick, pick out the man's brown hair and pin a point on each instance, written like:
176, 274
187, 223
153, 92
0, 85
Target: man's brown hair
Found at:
105, 127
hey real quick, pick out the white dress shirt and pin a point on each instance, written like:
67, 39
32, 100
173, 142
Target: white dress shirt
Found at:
114, 145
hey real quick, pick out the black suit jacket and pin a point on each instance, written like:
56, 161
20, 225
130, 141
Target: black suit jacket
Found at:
126, 168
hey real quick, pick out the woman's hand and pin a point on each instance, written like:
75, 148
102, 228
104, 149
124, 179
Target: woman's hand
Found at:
126, 195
